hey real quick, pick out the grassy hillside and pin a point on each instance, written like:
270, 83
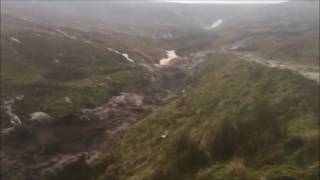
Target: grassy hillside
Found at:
240, 121
45, 66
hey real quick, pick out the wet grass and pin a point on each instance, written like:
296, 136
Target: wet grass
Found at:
47, 69
236, 123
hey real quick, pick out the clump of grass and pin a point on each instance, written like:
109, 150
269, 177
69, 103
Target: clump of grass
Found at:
188, 155
75, 171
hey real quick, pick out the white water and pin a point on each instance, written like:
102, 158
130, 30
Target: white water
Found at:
15, 40
125, 55
215, 24
113, 50
171, 54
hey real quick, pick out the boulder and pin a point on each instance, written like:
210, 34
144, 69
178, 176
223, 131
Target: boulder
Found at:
40, 117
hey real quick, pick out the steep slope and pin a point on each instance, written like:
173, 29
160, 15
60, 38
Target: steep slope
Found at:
90, 72
240, 121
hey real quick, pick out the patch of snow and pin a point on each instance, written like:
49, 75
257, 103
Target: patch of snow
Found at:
215, 24
171, 54
14, 39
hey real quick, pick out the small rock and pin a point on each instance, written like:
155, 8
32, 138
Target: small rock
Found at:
164, 135
14, 119
40, 117
19, 98
57, 61
68, 100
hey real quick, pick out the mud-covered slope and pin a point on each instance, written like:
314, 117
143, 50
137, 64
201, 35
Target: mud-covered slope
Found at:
240, 121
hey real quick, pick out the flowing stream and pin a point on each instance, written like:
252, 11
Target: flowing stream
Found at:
171, 54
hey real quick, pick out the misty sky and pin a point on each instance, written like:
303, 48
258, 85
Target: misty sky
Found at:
224, 1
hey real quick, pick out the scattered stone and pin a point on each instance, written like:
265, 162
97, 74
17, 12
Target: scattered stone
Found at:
85, 114
19, 98
93, 157
8, 108
14, 119
7, 130
127, 99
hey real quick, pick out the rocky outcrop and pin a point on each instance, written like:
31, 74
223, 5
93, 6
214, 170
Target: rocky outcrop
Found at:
14, 119
39, 117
